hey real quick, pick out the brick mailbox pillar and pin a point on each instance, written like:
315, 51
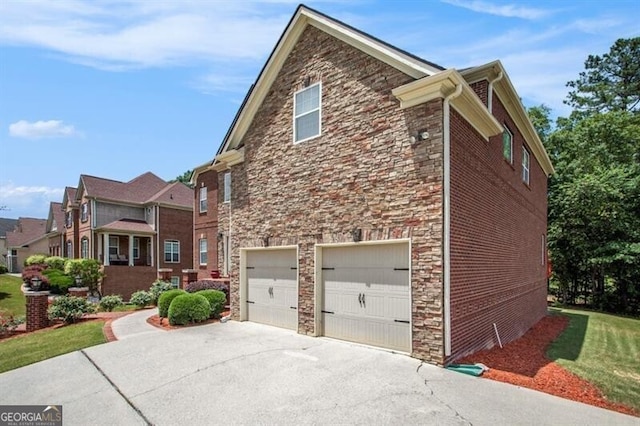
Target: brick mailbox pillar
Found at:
189, 275
164, 274
37, 304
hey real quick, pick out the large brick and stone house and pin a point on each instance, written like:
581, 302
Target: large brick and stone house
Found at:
372, 196
133, 228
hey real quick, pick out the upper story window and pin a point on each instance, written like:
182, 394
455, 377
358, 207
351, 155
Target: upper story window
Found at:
525, 165
203, 251
507, 145
172, 251
84, 248
227, 187
306, 106
203, 199
69, 219
85, 212
54, 225
69, 249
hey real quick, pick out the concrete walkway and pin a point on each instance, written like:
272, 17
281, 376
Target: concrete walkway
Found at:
247, 373
134, 325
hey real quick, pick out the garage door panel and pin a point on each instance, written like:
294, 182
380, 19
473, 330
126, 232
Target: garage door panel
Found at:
272, 287
366, 288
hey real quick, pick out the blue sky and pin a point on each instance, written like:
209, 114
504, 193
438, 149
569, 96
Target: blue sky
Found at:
117, 88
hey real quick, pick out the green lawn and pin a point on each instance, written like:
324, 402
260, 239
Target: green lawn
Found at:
40, 345
12, 301
603, 349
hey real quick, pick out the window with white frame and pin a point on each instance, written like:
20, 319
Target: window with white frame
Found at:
525, 165
172, 251
84, 248
69, 219
175, 281
69, 249
84, 212
203, 199
136, 248
507, 145
306, 106
114, 245
203, 251
227, 187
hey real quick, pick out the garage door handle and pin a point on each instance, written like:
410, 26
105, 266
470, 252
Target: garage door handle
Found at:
292, 307
402, 321
328, 269
250, 267
327, 312
249, 301
294, 268
400, 269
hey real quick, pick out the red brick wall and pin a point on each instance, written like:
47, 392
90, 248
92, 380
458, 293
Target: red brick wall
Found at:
125, 280
497, 224
363, 172
177, 225
206, 224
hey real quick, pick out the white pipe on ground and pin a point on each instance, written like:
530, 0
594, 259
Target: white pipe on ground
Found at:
495, 327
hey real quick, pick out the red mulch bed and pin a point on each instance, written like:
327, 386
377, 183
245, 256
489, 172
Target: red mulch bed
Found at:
163, 323
523, 363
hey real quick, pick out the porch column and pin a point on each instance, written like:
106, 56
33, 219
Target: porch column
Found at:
130, 249
151, 250
105, 243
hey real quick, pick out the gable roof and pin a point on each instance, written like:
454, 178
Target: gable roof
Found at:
494, 71
303, 17
144, 189
7, 225
69, 196
175, 194
56, 215
27, 230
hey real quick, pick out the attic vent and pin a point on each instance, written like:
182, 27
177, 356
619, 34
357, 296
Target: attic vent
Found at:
171, 196
307, 81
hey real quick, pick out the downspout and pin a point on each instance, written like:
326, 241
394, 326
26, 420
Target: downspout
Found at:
446, 118
156, 212
490, 91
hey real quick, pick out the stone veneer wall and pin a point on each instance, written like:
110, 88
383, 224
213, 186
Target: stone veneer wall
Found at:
362, 172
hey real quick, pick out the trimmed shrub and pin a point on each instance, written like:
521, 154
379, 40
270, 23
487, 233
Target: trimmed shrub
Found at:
59, 283
109, 303
55, 262
195, 286
87, 269
69, 308
165, 299
3, 269
140, 298
157, 288
35, 259
188, 308
216, 300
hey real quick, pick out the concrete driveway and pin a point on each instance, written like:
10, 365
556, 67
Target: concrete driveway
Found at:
245, 373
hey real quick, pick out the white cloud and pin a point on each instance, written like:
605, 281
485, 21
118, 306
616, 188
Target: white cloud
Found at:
507, 10
28, 201
42, 129
117, 35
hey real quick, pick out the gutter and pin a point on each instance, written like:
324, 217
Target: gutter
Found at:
490, 90
446, 119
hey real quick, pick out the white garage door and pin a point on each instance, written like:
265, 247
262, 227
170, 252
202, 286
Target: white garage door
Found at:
272, 291
366, 294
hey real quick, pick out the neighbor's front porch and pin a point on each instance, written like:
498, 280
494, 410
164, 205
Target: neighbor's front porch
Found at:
126, 243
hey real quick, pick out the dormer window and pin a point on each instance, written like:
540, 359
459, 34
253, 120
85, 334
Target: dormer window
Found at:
306, 106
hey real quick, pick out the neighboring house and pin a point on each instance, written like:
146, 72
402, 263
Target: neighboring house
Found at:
372, 196
6, 225
29, 237
55, 229
205, 221
71, 212
133, 228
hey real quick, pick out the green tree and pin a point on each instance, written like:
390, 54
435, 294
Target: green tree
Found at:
610, 82
184, 178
